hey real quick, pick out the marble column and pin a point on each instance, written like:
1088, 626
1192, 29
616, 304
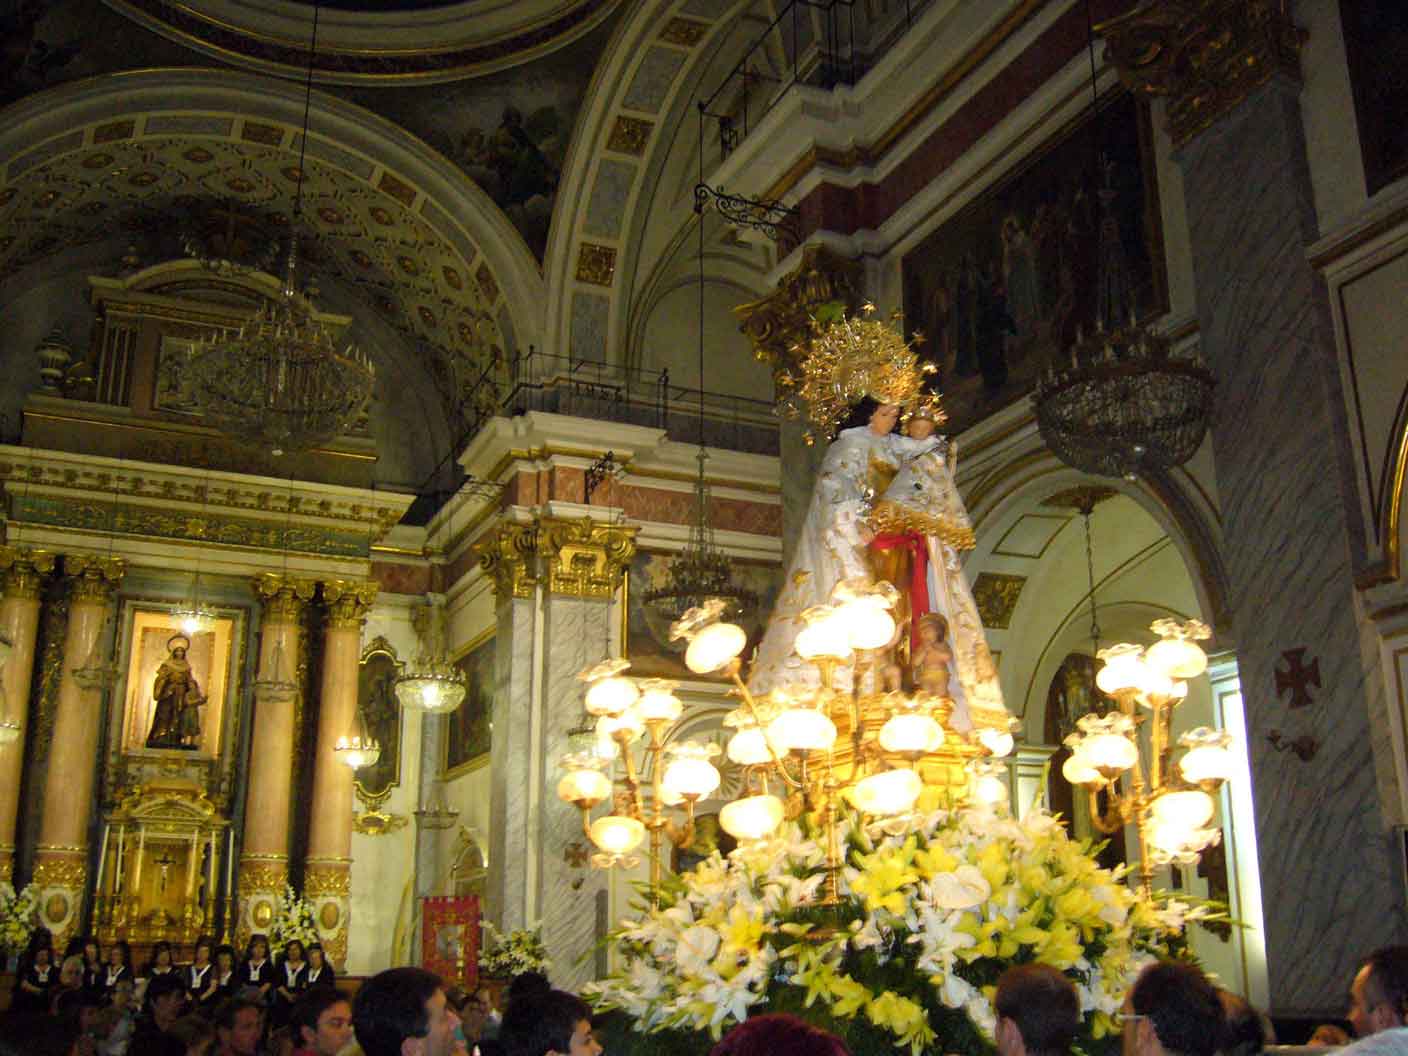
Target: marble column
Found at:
263, 870
61, 858
1329, 875
24, 572
328, 867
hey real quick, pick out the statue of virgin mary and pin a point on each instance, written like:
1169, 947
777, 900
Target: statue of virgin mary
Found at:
885, 506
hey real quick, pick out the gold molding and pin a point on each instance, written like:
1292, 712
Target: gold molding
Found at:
1204, 56
586, 558
24, 571
94, 577
348, 601
776, 323
629, 135
283, 596
996, 595
327, 878
596, 264
378, 823
508, 553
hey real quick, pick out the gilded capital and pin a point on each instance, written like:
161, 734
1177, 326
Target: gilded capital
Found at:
283, 596
1204, 56
24, 571
348, 601
327, 877
93, 577
783, 319
509, 553
586, 558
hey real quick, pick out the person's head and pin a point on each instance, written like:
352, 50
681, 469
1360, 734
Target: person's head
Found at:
933, 628
37, 1035
122, 995
1378, 997
316, 957
322, 1021
1327, 1036
883, 418
402, 1012
120, 954
43, 957
293, 951
1243, 1034
239, 1023
161, 955
778, 1032
196, 1033
165, 998
1038, 1011
202, 953
527, 984
71, 971
92, 953
1175, 1012
258, 948
225, 957
551, 1022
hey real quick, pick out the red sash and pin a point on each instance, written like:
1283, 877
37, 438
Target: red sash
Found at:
918, 572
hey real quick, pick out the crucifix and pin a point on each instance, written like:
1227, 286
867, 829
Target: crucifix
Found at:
164, 863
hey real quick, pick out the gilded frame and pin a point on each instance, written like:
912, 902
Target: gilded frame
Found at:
379, 647
474, 762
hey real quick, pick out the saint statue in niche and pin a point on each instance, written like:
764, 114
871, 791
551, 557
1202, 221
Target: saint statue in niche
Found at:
176, 723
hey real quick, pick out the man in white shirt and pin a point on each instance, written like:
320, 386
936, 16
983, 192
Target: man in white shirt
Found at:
1378, 1001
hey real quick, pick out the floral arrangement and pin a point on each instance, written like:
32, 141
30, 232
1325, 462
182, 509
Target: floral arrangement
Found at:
930, 915
293, 919
17, 916
504, 956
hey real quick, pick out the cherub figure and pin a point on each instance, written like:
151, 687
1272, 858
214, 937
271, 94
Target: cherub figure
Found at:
932, 655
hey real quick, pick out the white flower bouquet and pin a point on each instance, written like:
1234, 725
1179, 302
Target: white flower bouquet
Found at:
293, 919
17, 916
929, 918
504, 956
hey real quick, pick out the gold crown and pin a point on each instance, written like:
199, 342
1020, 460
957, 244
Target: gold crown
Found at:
926, 407
852, 358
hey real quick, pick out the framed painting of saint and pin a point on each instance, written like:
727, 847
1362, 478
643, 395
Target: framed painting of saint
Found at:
469, 733
379, 711
1003, 285
177, 684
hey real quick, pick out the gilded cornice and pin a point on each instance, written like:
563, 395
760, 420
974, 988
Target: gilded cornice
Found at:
283, 596
783, 319
327, 878
585, 558
1204, 56
348, 601
93, 576
267, 873
509, 554
24, 571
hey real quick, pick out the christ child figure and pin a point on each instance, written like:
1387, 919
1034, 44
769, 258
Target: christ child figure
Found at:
932, 657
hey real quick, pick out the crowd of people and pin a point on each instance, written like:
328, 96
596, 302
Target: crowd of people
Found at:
287, 1006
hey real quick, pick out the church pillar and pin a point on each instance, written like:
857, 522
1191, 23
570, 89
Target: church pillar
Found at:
24, 572
1329, 876
779, 327
264, 847
556, 588
327, 872
61, 859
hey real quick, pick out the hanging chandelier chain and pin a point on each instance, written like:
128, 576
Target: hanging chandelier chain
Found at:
1090, 573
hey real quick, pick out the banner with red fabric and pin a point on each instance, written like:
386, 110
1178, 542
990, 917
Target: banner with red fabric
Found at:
450, 938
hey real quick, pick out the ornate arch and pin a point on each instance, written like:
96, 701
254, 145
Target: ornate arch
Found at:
439, 260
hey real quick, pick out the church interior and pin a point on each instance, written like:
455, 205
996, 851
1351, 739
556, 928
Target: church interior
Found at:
377, 370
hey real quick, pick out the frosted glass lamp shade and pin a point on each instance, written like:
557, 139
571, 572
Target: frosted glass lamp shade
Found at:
749, 747
1177, 658
1182, 811
998, 742
891, 792
657, 705
752, 818
1109, 752
630, 724
869, 625
825, 636
690, 777
714, 646
1123, 670
611, 696
586, 788
1078, 771
616, 834
802, 730
990, 789
911, 732
1208, 762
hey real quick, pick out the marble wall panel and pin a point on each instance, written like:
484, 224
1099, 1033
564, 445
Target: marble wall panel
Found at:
589, 320
606, 209
1330, 880
653, 79
513, 831
676, 507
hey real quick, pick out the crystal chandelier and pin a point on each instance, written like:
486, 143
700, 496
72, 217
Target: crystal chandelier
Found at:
357, 751
1126, 403
1171, 806
280, 381
430, 683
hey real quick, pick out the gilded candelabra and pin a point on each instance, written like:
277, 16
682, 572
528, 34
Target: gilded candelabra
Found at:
870, 744
1171, 806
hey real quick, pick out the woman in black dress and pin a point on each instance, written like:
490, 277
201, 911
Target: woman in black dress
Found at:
118, 968
37, 978
290, 980
94, 970
200, 973
320, 973
257, 971
224, 979
161, 962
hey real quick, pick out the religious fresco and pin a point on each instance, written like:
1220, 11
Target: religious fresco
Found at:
176, 685
1003, 286
469, 727
642, 646
380, 713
